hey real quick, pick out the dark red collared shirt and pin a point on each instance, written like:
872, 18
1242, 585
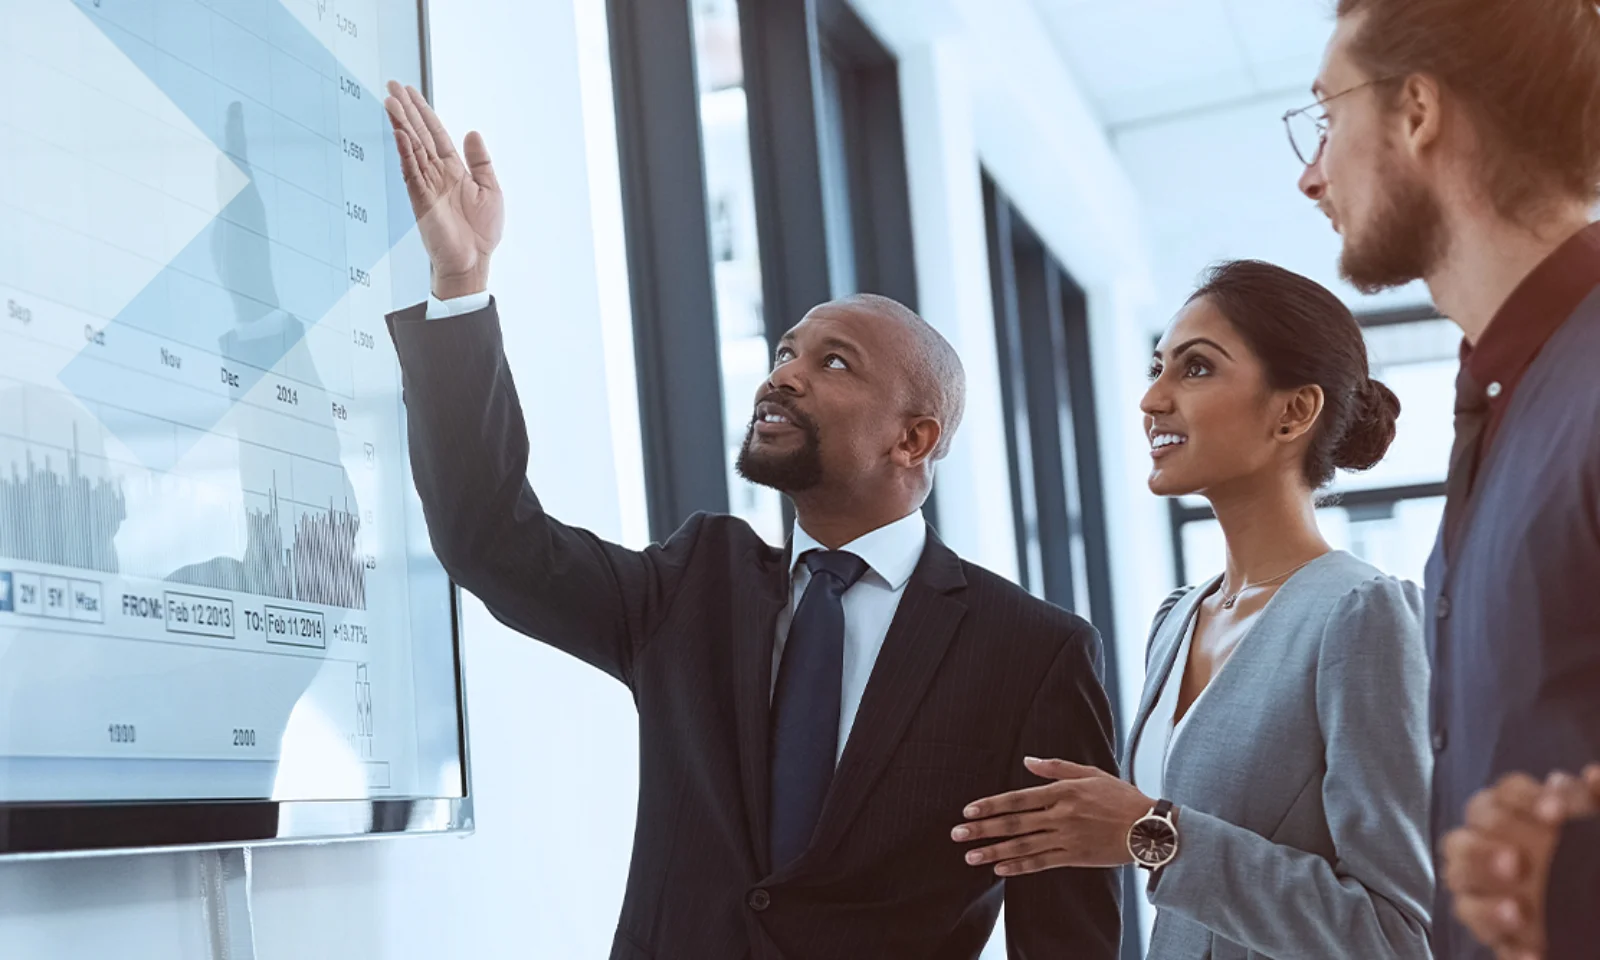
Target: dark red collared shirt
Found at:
1534, 311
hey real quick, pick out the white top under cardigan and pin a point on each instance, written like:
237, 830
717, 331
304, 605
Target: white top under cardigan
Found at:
1155, 746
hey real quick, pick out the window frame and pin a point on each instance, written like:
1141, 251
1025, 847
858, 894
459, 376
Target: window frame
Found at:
1052, 441
666, 225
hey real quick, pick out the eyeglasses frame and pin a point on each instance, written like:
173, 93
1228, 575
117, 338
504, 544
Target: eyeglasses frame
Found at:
1322, 122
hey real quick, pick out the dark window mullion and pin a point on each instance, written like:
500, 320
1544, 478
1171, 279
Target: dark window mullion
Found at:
1051, 425
781, 82
1013, 390
669, 259
1077, 367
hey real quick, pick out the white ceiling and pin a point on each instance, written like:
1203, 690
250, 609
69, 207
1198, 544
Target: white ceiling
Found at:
1140, 60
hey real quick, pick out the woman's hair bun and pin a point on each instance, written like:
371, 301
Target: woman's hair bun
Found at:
1371, 429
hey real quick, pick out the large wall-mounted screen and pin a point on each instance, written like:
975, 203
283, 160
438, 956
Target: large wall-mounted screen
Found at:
219, 618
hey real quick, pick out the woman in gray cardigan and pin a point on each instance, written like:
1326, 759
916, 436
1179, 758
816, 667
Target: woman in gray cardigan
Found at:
1279, 761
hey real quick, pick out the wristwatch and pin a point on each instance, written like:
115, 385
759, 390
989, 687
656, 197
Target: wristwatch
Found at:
1153, 838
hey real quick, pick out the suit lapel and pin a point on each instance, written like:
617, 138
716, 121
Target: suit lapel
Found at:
1163, 653
755, 624
923, 627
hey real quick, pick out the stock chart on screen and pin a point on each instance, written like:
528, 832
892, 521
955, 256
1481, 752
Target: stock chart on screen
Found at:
214, 581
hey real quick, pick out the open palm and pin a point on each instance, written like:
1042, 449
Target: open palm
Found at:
459, 207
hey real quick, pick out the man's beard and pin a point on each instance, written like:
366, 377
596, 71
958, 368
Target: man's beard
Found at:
790, 472
1404, 241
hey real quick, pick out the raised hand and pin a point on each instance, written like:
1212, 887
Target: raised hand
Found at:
459, 207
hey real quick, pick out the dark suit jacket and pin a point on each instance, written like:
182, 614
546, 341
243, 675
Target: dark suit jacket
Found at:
974, 675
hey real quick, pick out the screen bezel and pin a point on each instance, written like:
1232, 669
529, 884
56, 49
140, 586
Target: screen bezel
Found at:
36, 831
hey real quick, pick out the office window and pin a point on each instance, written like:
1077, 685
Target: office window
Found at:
674, 233
833, 143
826, 155
1047, 391
1388, 516
863, 166
793, 194
743, 351
1041, 333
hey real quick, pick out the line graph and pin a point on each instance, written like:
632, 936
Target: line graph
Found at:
274, 522
320, 564
62, 518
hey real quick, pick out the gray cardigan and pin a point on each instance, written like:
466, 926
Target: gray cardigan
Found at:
1301, 777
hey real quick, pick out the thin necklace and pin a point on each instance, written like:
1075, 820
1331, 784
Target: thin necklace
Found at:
1229, 599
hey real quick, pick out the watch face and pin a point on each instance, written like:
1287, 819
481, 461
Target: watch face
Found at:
1153, 841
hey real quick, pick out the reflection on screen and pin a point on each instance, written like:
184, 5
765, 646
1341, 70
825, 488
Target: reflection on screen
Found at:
213, 581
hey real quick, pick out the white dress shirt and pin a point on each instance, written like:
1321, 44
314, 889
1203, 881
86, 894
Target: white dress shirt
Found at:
455, 306
891, 553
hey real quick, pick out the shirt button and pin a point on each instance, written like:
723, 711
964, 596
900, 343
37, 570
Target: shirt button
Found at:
1494, 390
1439, 741
760, 900
1442, 609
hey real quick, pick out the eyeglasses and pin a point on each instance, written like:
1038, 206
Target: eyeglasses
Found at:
1308, 131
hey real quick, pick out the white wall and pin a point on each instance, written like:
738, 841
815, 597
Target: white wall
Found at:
947, 219
554, 746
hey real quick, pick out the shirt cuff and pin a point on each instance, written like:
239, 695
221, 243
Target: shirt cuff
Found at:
455, 306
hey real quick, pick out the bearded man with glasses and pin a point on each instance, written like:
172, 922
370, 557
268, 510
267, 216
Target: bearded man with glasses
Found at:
1458, 142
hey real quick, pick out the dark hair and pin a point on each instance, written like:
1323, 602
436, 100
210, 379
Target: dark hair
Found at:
1305, 335
1528, 72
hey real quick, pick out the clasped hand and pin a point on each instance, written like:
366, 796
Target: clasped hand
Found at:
1497, 865
1079, 820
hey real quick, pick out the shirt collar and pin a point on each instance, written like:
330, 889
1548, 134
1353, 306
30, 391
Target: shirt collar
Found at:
891, 551
1541, 303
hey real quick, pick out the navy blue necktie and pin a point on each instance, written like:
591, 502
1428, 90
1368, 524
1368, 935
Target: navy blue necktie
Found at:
805, 706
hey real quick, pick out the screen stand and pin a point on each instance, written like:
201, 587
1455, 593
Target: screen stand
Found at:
225, 877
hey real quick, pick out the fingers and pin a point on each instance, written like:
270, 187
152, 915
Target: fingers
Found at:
1507, 814
478, 162
418, 187
1565, 797
407, 144
1016, 849
1497, 922
1061, 769
441, 138
1476, 865
1034, 864
1518, 793
408, 102
1009, 825
397, 116
1033, 798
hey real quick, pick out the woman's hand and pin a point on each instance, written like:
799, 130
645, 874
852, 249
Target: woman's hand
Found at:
1080, 820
